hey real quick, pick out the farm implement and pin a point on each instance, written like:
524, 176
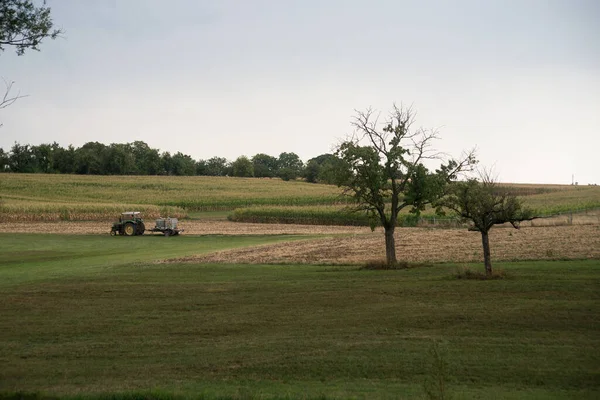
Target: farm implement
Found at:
131, 224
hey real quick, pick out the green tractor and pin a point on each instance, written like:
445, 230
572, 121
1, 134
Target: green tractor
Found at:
130, 224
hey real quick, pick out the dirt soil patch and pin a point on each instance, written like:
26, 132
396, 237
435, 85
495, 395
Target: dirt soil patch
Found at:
424, 245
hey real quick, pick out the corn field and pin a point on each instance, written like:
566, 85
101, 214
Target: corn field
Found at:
33, 211
39, 197
198, 193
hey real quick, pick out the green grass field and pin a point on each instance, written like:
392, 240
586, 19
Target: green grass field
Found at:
92, 316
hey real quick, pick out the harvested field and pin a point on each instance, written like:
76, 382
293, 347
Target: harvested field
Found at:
224, 227
425, 245
362, 245
205, 227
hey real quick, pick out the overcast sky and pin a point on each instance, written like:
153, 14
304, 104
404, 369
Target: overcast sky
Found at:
518, 79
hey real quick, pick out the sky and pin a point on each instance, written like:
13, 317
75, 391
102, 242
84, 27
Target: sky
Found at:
517, 79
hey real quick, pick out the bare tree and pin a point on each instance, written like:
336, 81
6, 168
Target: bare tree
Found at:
485, 203
8, 98
382, 168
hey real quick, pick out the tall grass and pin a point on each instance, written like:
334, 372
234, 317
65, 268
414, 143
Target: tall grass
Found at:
321, 215
327, 215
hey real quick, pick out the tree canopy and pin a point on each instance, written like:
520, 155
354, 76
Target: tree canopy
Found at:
383, 168
23, 25
484, 203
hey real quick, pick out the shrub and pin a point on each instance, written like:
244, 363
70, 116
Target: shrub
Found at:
467, 273
382, 265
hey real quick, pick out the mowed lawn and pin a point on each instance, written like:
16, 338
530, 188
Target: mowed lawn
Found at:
82, 316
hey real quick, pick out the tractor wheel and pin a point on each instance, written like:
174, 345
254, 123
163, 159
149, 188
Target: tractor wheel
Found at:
129, 229
140, 228
113, 232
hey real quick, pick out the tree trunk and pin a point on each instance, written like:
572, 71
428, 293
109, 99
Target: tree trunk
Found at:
390, 246
487, 258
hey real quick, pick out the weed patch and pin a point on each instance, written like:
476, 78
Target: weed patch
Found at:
468, 273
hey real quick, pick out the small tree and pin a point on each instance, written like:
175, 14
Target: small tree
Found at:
217, 166
4, 160
264, 165
321, 169
386, 174
485, 204
290, 166
242, 167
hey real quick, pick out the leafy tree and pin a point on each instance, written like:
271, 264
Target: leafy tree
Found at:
166, 163
485, 204
201, 167
265, 166
4, 160
217, 166
386, 174
118, 159
147, 160
243, 167
24, 26
290, 166
64, 160
311, 171
183, 165
22, 159
89, 159
321, 168
44, 157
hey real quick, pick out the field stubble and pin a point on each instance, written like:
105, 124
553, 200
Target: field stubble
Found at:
425, 245
356, 245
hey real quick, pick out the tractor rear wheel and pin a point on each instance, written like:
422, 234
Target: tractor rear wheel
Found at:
129, 229
140, 228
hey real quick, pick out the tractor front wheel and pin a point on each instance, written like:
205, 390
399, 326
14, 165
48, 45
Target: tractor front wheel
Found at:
129, 229
140, 228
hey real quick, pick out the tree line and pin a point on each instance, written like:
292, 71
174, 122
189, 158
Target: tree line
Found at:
138, 158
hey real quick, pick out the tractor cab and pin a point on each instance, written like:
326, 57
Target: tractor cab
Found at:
130, 216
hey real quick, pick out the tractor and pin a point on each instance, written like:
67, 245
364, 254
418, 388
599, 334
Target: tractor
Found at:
130, 224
